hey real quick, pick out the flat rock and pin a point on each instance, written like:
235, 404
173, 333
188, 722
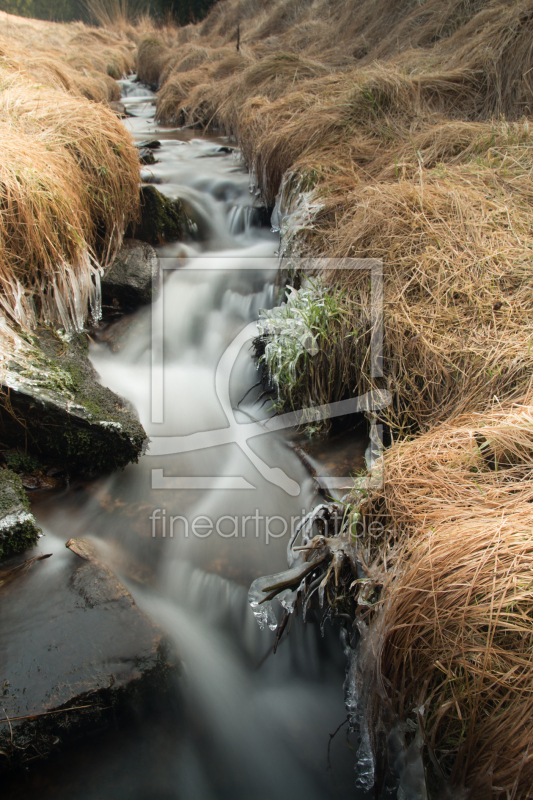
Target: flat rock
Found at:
75, 651
133, 278
18, 529
57, 411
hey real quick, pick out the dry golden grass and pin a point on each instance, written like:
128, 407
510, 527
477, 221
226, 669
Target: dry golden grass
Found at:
69, 172
69, 183
74, 57
458, 296
45, 265
455, 620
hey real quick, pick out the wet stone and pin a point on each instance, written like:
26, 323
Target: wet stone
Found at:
57, 411
84, 646
146, 156
162, 219
150, 144
133, 277
18, 529
119, 108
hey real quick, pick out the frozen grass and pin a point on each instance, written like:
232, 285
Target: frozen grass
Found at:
300, 343
69, 186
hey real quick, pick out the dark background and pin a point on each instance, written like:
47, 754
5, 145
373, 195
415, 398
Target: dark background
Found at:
182, 11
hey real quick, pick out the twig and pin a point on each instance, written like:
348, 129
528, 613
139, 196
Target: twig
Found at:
281, 628
248, 392
332, 736
45, 713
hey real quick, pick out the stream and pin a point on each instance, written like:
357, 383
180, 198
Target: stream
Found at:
244, 724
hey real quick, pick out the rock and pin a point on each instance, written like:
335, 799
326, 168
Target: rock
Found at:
162, 220
149, 177
146, 156
133, 277
75, 659
57, 411
18, 530
117, 334
119, 108
151, 144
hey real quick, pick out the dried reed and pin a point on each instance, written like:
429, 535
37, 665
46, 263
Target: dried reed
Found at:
455, 617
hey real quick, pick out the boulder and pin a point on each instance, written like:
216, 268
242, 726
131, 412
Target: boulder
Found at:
55, 410
119, 108
133, 277
162, 220
76, 655
18, 529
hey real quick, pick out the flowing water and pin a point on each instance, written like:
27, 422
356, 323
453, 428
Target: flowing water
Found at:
245, 723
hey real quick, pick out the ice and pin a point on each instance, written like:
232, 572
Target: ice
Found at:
360, 690
261, 588
287, 332
294, 212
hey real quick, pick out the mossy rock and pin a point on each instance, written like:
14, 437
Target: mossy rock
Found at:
18, 530
57, 411
162, 220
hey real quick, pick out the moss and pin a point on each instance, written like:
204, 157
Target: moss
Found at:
22, 462
18, 531
12, 493
162, 220
70, 418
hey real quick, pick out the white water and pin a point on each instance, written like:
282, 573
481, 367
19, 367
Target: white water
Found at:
248, 725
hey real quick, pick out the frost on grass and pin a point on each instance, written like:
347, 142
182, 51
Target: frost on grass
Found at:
290, 332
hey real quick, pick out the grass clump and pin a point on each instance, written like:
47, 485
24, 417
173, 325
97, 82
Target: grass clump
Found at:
301, 344
454, 621
152, 56
69, 176
69, 189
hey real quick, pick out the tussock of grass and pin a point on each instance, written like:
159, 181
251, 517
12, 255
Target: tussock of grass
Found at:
69, 173
69, 185
151, 58
455, 615
72, 57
